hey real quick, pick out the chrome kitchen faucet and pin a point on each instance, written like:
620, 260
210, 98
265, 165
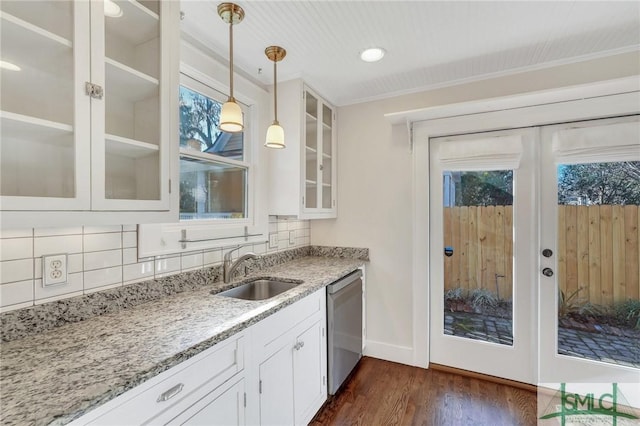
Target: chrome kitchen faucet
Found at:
228, 267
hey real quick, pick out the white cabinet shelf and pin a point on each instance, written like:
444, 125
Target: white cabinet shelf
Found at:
30, 39
303, 176
137, 25
129, 148
17, 126
128, 83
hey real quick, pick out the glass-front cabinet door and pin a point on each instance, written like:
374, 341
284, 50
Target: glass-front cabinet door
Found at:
318, 161
85, 105
44, 50
128, 128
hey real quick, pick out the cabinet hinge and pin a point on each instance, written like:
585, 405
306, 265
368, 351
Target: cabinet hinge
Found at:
322, 331
245, 400
259, 386
334, 203
324, 380
303, 201
169, 186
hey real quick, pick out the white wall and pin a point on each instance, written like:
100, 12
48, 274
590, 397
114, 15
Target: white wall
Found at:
375, 189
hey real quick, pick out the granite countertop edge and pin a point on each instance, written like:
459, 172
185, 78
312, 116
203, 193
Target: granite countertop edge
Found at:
251, 312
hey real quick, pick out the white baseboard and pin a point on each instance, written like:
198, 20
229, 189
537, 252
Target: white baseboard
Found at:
388, 352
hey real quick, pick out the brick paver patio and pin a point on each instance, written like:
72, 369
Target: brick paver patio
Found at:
600, 345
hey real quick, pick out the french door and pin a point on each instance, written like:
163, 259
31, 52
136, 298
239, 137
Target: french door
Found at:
529, 243
482, 223
589, 263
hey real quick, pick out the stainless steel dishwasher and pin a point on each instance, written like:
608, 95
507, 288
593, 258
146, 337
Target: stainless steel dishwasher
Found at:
344, 318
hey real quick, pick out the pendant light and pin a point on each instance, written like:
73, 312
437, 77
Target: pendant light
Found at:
275, 132
231, 115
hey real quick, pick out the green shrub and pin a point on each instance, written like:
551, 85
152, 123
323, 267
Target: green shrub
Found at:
482, 298
629, 312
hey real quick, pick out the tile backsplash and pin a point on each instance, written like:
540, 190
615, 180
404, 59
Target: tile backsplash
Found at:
104, 257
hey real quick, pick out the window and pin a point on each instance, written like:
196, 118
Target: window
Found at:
213, 170
221, 186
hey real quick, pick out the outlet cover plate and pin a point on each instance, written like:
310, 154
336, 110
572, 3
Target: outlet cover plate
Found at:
54, 269
273, 241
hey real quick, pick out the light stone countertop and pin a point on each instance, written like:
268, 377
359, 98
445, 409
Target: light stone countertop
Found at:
58, 375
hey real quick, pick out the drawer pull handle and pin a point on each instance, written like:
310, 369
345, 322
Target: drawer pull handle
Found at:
298, 346
165, 396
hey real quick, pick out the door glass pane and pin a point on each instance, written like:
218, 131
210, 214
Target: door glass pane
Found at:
311, 151
37, 128
478, 255
598, 261
327, 140
132, 97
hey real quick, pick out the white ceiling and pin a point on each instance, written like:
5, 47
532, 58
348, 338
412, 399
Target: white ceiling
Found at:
428, 44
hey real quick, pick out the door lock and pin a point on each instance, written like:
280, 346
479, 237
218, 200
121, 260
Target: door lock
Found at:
547, 272
547, 253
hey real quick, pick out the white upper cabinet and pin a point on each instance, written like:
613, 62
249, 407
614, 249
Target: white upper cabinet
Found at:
303, 175
87, 124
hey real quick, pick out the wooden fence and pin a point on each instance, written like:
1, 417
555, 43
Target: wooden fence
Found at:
598, 251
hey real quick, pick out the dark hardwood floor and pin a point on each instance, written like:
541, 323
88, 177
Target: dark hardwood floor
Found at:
385, 393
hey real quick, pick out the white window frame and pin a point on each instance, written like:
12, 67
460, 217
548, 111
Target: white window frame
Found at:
202, 234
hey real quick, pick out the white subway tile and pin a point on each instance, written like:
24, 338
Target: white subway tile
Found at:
102, 277
191, 261
16, 233
102, 288
16, 306
74, 285
129, 227
100, 242
102, 259
16, 248
51, 232
212, 257
283, 225
129, 256
129, 239
16, 270
167, 266
292, 225
283, 239
18, 292
137, 271
55, 245
260, 248
273, 227
102, 229
75, 262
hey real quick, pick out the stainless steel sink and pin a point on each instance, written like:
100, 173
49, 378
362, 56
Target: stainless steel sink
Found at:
259, 289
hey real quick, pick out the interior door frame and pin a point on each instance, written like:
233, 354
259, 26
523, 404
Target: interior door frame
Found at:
577, 103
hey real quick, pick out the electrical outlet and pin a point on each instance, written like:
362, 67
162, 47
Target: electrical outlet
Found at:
273, 241
292, 238
54, 269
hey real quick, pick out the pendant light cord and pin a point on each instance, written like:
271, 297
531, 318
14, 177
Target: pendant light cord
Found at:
231, 56
275, 90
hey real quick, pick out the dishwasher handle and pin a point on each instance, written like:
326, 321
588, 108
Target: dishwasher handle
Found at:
343, 282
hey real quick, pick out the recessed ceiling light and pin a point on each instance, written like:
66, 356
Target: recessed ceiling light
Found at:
9, 66
373, 54
111, 9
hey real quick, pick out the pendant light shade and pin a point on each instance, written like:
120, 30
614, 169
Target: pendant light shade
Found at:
231, 120
275, 132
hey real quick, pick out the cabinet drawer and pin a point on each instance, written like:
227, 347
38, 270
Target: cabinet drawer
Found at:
174, 388
280, 323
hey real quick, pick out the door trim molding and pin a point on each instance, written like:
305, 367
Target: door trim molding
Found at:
576, 103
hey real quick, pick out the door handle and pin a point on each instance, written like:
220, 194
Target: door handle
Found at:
547, 253
547, 272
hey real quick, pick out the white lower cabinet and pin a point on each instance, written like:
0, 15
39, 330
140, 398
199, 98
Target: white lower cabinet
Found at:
272, 373
291, 346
